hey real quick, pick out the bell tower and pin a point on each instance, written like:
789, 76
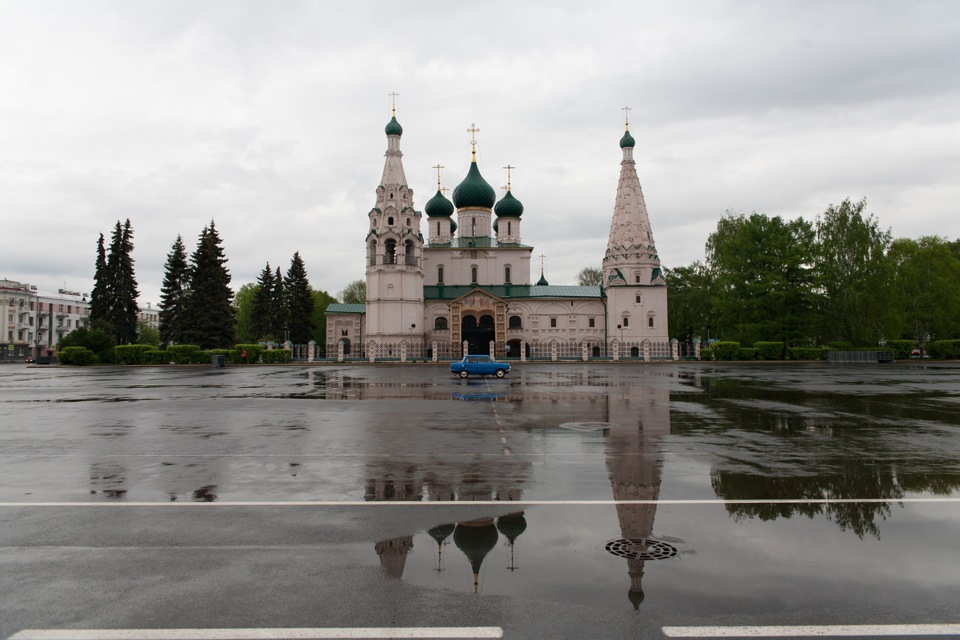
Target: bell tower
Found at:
633, 282
394, 253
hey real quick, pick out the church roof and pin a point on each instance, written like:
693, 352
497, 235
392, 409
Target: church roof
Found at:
393, 127
508, 207
346, 308
452, 292
627, 140
474, 191
438, 206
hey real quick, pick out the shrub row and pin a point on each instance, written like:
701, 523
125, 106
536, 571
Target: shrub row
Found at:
944, 349
175, 354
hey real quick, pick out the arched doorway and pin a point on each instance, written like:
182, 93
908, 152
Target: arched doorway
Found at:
346, 346
478, 334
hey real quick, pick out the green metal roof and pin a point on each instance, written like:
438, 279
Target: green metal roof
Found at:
627, 140
474, 191
346, 308
393, 127
480, 242
438, 206
511, 291
508, 207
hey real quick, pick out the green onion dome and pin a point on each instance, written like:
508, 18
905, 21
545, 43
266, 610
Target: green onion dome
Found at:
626, 141
453, 226
474, 191
393, 127
438, 206
476, 539
512, 525
508, 207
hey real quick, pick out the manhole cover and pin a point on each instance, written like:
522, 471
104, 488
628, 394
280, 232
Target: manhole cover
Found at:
641, 548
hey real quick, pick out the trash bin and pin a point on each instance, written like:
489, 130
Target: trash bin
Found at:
218, 361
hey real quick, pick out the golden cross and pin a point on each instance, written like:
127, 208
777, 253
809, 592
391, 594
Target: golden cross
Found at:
473, 131
438, 167
508, 168
393, 102
542, 257
626, 116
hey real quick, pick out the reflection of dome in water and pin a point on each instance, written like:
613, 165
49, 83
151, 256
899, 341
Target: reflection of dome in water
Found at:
636, 597
476, 539
512, 525
441, 532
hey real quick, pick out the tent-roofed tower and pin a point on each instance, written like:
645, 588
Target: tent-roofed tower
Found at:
632, 278
394, 253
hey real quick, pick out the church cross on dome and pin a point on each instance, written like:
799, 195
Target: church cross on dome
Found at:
509, 168
626, 117
438, 167
473, 131
393, 102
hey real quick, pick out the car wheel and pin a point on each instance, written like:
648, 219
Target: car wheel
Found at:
500, 373
463, 374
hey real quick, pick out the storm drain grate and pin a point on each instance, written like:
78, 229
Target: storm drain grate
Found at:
641, 549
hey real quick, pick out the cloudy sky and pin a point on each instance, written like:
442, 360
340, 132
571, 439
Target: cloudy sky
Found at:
267, 117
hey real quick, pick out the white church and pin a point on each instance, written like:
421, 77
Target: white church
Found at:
466, 287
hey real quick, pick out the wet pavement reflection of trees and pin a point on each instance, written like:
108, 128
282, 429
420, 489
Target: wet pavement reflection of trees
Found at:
791, 444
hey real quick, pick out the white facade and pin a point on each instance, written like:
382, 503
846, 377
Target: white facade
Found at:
470, 282
34, 321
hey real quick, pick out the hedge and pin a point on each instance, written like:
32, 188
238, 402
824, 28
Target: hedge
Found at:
726, 350
253, 352
806, 353
769, 350
131, 353
944, 349
276, 356
186, 354
155, 356
79, 356
747, 353
706, 353
901, 348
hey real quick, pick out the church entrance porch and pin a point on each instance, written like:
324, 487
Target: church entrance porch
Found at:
478, 333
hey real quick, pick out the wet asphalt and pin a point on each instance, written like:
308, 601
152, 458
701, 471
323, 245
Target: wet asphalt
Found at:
565, 501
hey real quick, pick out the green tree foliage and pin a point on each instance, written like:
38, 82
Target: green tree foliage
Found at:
208, 319
113, 304
853, 277
927, 288
96, 339
262, 309
173, 293
243, 305
298, 302
321, 299
590, 277
147, 335
762, 276
99, 297
688, 303
278, 310
354, 293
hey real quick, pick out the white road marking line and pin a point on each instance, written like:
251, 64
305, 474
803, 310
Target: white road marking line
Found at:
476, 503
258, 634
805, 631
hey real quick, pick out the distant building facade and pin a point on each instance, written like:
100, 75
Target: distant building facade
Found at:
33, 321
467, 286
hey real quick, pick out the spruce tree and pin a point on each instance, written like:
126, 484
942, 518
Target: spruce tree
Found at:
208, 318
128, 311
173, 293
299, 302
99, 300
278, 321
260, 316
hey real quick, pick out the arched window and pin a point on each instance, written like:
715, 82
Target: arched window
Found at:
440, 324
509, 228
440, 275
390, 252
390, 220
639, 299
650, 321
506, 274
626, 322
473, 275
373, 253
516, 322
408, 222
410, 256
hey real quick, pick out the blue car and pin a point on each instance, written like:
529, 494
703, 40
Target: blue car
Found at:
478, 365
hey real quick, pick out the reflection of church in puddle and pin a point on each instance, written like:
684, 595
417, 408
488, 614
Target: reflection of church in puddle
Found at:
633, 420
